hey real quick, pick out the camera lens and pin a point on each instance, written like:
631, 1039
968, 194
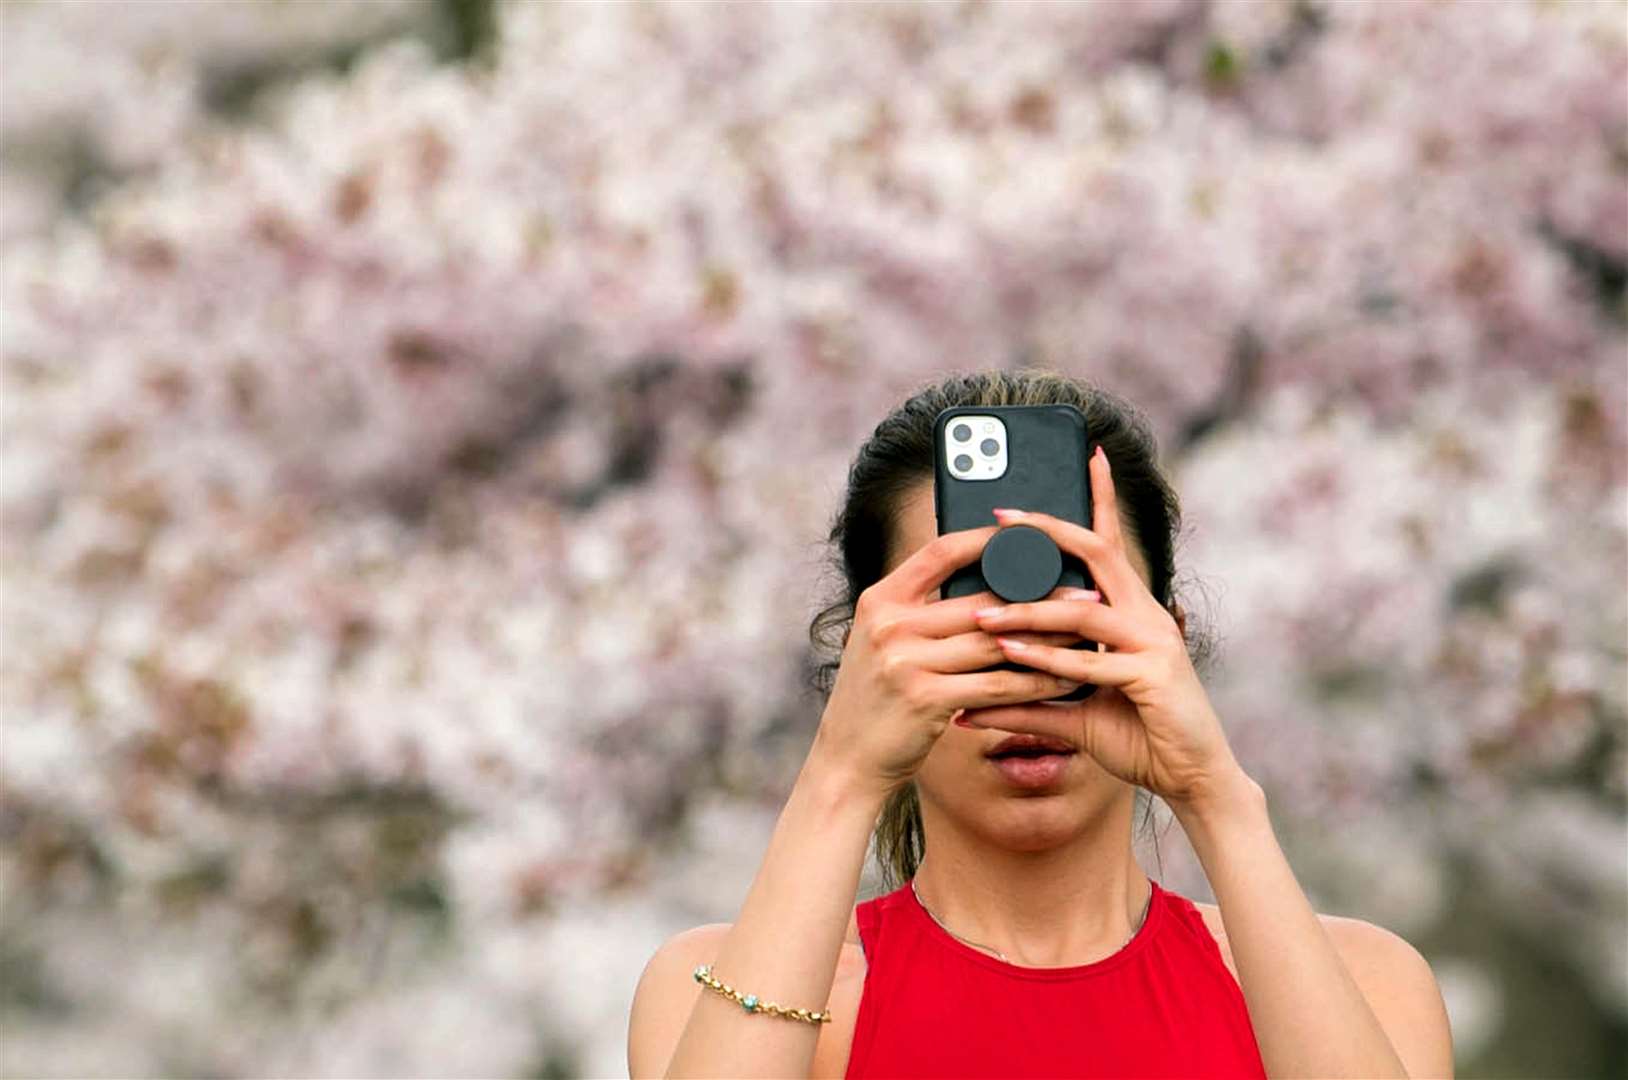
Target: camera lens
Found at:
990, 447
961, 432
963, 463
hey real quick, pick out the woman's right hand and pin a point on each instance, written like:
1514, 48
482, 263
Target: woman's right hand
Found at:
911, 663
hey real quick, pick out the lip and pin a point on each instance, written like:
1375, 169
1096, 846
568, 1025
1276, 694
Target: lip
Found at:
1050, 742
1033, 773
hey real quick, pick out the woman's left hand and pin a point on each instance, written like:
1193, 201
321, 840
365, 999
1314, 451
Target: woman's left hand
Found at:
1149, 722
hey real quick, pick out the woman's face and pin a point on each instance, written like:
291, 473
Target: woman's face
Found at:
960, 783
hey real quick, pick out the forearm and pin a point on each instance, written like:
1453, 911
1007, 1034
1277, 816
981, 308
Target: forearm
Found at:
786, 939
1309, 1016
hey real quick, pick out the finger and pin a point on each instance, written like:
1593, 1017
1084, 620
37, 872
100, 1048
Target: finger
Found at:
941, 618
999, 687
1091, 619
968, 626
973, 651
1061, 721
1062, 640
1104, 500
1112, 571
1080, 665
930, 565
957, 615
958, 653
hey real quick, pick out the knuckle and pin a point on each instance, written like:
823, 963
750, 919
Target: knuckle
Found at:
865, 604
993, 685
895, 668
916, 692
1173, 635
1043, 682
1014, 684
886, 628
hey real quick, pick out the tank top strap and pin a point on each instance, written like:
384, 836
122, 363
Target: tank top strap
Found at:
868, 917
1203, 939
1194, 918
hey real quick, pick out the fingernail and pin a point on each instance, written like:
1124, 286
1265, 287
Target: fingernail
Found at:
989, 612
1068, 684
1006, 514
1071, 593
1011, 643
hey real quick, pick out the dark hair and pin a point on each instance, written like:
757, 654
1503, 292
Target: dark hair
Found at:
899, 455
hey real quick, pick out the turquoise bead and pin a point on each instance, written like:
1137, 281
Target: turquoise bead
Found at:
749, 1002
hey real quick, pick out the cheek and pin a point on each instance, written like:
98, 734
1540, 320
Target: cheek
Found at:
958, 751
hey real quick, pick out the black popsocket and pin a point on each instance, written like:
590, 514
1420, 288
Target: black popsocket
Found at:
1020, 563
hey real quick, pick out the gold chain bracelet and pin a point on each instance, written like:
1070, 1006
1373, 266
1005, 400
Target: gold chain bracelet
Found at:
749, 1002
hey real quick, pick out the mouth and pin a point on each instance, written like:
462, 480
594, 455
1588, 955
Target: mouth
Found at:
1029, 746
1032, 763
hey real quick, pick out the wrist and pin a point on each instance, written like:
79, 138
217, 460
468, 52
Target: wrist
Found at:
837, 788
1232, 796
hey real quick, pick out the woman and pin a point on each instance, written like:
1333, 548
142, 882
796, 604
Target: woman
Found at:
1021, 937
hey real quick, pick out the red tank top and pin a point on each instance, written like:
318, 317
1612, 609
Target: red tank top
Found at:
1164, 1005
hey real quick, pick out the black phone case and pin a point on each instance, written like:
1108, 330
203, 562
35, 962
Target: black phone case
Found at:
1048, 448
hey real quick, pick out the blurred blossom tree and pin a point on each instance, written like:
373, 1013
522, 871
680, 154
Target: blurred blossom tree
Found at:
414, 481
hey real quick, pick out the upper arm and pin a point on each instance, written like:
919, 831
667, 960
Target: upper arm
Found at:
1401, 989
665, 996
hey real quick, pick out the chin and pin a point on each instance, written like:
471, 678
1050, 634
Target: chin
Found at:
1033, 831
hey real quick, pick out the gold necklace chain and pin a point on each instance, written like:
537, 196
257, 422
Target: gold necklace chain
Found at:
1146, 906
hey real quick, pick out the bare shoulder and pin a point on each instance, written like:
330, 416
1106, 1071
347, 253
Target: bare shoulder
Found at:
1218, 929
667, 992
1395, 979
837, 1037
1356, 939
1401, 988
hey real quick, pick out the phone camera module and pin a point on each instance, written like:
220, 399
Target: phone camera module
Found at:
973, 447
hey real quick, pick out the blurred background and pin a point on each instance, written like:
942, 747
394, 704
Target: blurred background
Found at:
422, 420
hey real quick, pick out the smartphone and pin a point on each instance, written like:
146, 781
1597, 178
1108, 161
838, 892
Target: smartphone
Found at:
1029, 457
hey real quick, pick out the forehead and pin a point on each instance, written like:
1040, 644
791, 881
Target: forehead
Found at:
916, 525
